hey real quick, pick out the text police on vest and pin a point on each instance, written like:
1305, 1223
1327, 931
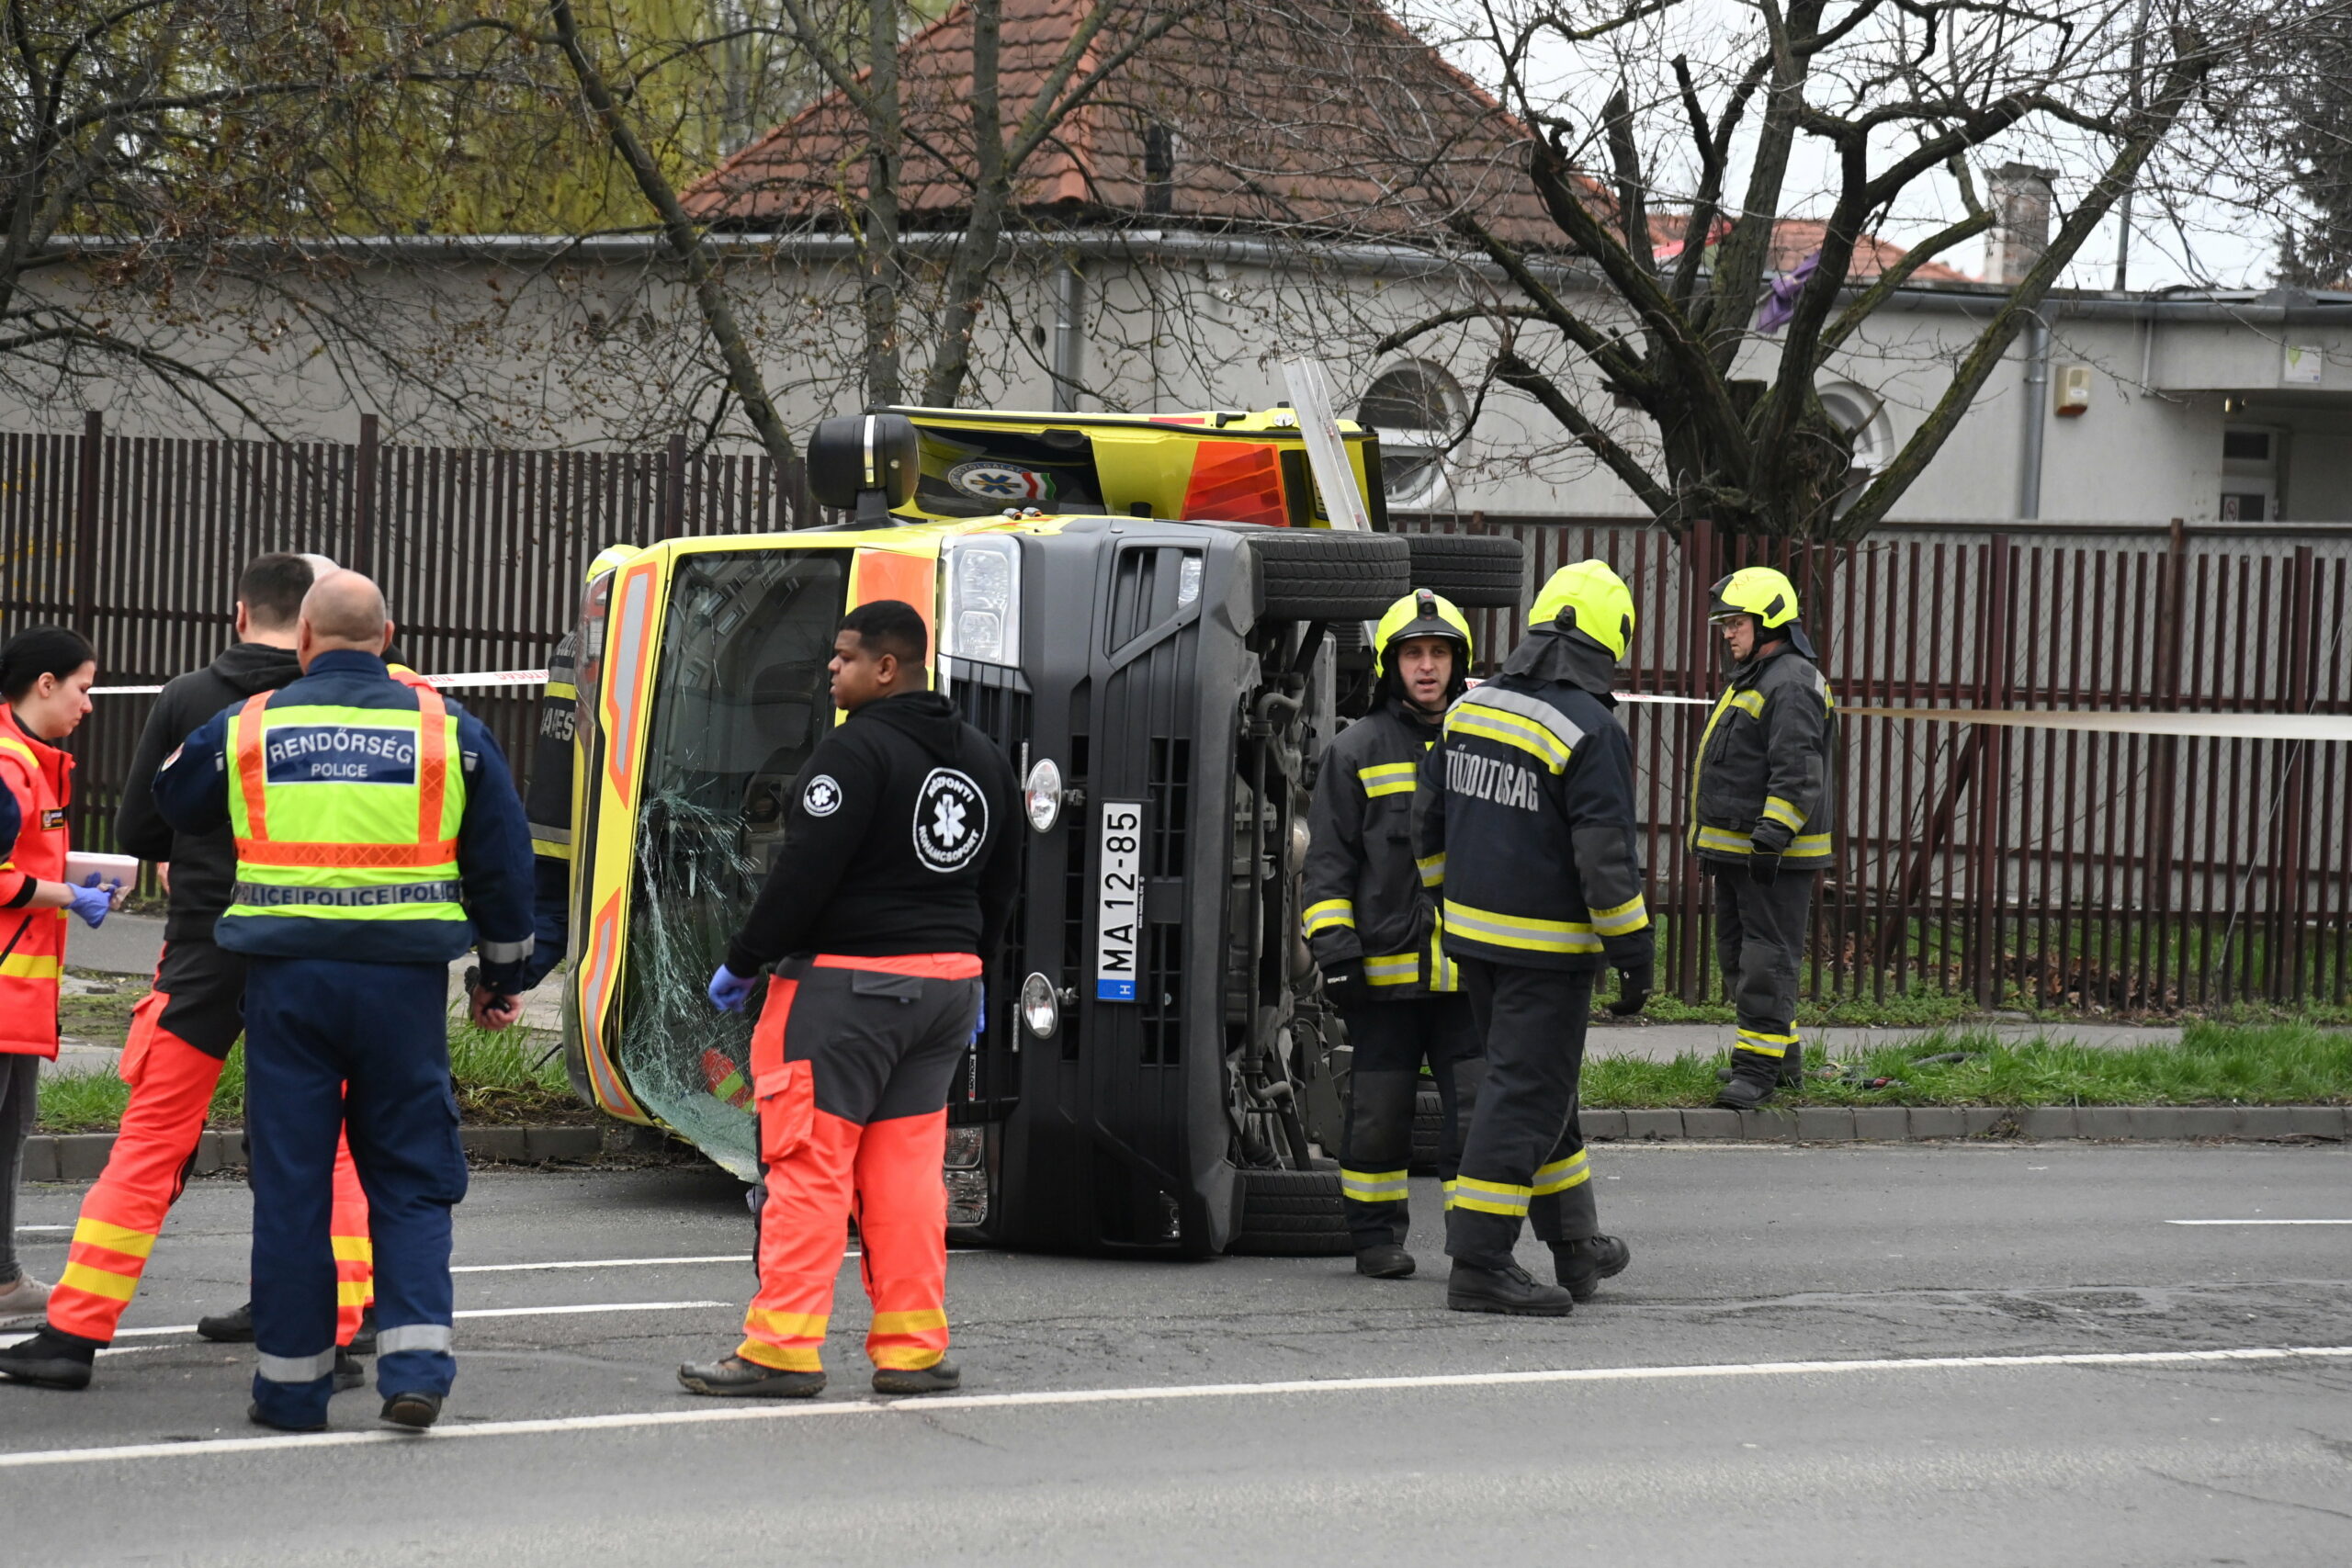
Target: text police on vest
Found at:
304, 753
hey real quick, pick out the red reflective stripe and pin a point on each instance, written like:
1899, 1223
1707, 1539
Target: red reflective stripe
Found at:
928, 965
253, 773
362, 857
433, 765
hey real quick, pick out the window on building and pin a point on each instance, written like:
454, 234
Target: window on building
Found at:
1419, 412
2250, 474
1859, 414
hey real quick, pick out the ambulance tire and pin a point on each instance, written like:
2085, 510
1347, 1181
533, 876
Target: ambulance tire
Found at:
1429, 1125
1477, 571
1292, 1213
1318, 574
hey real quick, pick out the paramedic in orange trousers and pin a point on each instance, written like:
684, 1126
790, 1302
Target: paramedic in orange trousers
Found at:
901, 863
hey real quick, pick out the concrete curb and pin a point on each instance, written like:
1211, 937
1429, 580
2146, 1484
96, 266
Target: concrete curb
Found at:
1907, 1124
80, 1156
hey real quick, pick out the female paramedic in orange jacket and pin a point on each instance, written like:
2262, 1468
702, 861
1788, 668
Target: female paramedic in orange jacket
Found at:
45, 678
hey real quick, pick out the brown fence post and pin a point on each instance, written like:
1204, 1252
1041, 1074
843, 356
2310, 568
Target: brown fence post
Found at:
672, 519
2285, 968
1697, 563
1992, 782
2163, 821
88, 471
363, 495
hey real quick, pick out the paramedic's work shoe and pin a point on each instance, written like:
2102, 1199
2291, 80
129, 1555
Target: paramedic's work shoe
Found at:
1582, 1265
1386, 1262
229, 1328
735, 1378
1511, 1292
253, 1414
24, 1305
50, 1358
940, 1377
416, 1410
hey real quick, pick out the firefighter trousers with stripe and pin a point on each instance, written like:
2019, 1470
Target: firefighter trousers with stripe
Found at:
1388, 1043
1524, 1156
851, 1062
1760, 945
332, 1044
180, 1033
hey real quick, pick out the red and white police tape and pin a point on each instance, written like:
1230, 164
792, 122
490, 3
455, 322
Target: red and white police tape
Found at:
2218, 726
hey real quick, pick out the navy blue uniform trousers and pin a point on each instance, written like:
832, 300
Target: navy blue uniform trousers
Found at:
329, 1044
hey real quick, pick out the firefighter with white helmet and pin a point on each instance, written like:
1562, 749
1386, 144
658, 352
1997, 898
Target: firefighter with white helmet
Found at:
1528, 826
1763, 807
1373, 928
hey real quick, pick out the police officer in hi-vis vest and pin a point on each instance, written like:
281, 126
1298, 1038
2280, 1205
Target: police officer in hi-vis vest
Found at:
378, 836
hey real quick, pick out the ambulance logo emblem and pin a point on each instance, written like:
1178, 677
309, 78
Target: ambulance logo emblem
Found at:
987, 479
823, 797
951, 820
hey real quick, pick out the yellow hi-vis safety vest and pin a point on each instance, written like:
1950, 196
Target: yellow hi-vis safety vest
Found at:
345, 814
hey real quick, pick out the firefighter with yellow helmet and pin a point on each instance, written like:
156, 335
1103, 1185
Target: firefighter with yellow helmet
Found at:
1373, 928
1527, 828
1763, 805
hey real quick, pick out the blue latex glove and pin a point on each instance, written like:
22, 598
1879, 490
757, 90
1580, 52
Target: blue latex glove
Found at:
728, 990
981, 1020
91, 901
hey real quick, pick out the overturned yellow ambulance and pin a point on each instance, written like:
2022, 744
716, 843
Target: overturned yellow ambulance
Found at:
1138, 608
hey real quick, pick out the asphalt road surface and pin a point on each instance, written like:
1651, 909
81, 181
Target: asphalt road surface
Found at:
1968, 1356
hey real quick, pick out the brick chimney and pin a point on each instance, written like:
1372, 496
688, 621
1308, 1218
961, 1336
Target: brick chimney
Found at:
2021, 203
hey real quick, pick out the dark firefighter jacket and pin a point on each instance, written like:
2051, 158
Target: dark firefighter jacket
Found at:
1364, 899
1762, 780
1527, 828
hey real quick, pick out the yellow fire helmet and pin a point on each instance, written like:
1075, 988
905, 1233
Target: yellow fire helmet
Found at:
1589, 597
607, 558
1757, 590
1420, 614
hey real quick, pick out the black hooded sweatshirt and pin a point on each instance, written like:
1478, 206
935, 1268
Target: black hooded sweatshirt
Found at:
903, 838
204, 866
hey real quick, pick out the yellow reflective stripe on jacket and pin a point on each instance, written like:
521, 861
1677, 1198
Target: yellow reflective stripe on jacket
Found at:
1432, 870
561, 691
1732, 841
1444, 974
1488, 1196
1748, 701
1630, 916
1562, 1174
31, 967
1372, 1186
1780, 811
1520, 930
547, 847
1509, 730
1698, 760
1387, 778
1396, 969
1329, 916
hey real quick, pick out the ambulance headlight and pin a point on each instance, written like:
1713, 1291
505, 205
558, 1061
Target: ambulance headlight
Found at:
1041, 793
983, 619
1041, 1007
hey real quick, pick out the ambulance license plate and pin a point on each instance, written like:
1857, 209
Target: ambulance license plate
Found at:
1118, 905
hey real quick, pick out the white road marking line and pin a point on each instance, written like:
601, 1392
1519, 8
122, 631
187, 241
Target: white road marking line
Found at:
470, 1311
597, 1263
47, 1230
2259, 1222
933, 1405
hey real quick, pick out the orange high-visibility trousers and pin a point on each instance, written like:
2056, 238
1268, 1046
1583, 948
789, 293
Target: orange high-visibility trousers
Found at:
852, 1060
172, 1083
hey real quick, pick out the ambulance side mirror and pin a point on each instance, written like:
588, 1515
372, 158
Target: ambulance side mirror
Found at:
865, 463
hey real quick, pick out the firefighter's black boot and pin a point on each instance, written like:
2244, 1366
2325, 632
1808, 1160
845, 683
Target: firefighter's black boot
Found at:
1511, 1292
1386, 1262
229, 1328
1745, 1092
735, 1378
940, 1377
50, 1358
1582, 1265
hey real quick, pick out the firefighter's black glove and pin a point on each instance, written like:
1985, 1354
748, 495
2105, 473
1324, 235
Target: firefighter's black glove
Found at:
1763, 867
1633, 989
1338, 977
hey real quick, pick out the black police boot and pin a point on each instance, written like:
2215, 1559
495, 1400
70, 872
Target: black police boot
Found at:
416, 1410
229, 1328
363, 1342
1582, 1265
735, 1378
1791, 1068
50, 1358
940, 1377
1512, 1292
1385, 1261
349, 1373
